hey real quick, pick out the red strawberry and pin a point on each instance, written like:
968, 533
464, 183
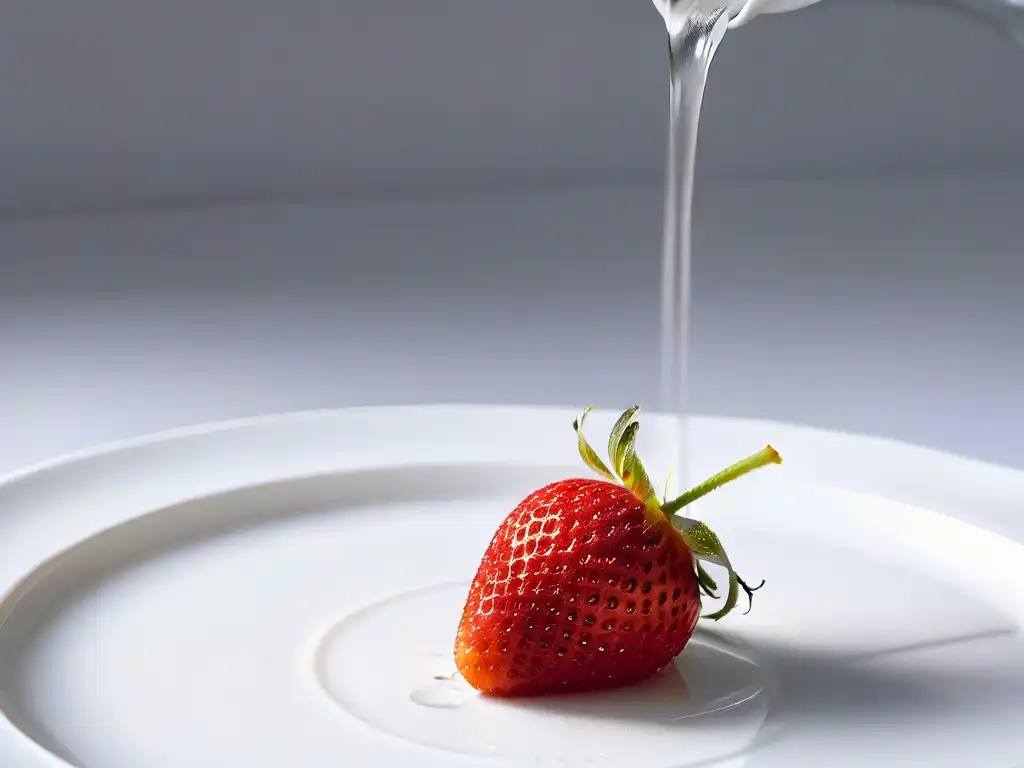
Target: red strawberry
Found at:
591, 584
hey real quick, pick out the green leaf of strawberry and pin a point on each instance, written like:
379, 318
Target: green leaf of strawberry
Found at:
616, 454
588, 454
634, 475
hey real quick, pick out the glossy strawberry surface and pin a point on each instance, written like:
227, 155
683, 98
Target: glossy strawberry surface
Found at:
582, 587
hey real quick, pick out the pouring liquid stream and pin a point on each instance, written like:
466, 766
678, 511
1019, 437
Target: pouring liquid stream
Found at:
695, 29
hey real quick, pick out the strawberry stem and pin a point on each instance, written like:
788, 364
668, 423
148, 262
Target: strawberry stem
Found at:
765, 456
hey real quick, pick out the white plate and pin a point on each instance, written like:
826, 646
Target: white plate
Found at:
283, 591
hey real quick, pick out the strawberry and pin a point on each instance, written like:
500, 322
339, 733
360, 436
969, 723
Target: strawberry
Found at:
593, 583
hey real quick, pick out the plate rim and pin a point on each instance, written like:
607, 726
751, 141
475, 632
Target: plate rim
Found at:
200, 429
953, 479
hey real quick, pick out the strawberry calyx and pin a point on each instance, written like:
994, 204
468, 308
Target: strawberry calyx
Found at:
627, 469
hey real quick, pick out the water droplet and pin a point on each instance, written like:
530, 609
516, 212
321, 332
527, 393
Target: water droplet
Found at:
437, 695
